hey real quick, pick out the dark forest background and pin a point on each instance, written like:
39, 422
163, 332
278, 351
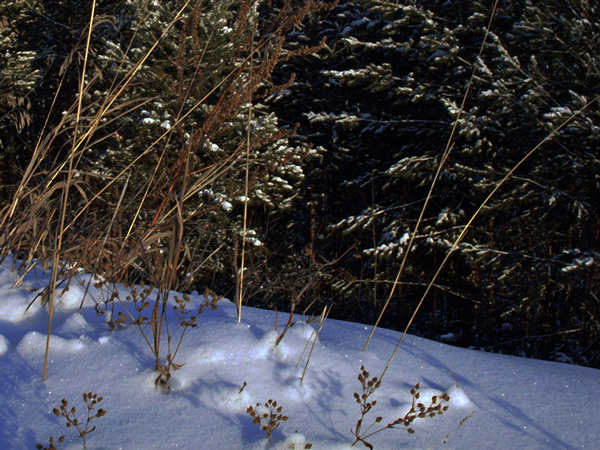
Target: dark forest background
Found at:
351, 112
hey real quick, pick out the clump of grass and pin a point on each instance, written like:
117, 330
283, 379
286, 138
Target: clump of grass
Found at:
418, 410
83, 429
142, 219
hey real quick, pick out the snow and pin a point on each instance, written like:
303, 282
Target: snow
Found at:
496, 401
557, 112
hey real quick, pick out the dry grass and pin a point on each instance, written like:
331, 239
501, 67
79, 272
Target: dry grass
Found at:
68, 218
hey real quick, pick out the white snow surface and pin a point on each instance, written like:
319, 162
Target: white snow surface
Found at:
496, 401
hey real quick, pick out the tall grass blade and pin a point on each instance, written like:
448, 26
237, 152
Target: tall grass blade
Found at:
447, 150
474, 216
65, 195
240, 289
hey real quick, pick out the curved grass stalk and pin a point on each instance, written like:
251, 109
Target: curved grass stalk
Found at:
240, 288
447, 150
65, 197
474, 216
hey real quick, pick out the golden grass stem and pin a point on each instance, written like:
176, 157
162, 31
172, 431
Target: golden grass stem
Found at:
65, 196
447, 150
324, 316
474, 216
240, 290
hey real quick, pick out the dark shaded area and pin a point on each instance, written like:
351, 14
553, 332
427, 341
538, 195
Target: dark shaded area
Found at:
334, 200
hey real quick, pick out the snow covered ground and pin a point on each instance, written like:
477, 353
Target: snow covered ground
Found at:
511, 403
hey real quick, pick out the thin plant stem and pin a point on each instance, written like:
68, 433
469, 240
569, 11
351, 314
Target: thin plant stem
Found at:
447, 150
324, 316
247, 176
65, 197
474, 216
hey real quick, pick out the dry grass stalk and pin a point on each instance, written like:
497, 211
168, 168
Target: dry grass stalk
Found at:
466, 227
324, 316
446, 153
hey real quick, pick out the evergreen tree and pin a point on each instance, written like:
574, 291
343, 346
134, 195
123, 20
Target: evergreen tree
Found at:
382, 106
177, 104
